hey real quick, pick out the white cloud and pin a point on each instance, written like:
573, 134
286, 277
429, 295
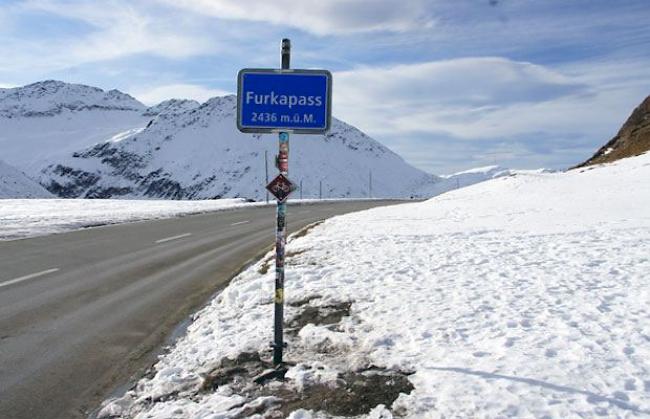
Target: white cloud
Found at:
115, 29
468, 81
124, 29
320, 16
481, 98
155, 95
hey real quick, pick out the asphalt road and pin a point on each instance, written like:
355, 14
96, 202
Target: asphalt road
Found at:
84, 312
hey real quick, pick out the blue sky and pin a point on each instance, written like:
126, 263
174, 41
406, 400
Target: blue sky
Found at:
449, 85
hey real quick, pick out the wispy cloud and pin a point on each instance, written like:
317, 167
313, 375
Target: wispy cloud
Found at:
492, 110
113, 30
448, 96
318, 16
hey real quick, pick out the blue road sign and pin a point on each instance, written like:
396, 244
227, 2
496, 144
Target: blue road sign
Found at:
297, 101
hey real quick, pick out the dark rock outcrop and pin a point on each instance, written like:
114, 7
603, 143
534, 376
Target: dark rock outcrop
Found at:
632, 139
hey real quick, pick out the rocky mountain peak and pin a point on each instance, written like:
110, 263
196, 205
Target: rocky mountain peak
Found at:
631, 140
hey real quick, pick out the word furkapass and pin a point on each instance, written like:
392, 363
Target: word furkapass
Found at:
285, 100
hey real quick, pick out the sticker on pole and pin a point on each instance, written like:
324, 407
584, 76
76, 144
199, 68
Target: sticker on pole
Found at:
298, 101
281, 187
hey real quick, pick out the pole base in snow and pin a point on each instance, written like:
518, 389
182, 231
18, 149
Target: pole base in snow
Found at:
276, 373
277, 353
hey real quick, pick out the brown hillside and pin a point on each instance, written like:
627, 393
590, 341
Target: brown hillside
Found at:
632, 139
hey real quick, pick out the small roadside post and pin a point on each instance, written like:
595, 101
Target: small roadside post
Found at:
283, 101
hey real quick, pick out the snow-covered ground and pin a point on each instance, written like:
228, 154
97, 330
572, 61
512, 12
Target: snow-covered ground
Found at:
20, 218
523, 296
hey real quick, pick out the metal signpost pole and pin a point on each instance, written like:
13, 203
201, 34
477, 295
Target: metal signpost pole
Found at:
266, 172
283, 101
281, 236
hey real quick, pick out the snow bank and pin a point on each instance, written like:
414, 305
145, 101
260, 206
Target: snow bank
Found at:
523, 296
20, 218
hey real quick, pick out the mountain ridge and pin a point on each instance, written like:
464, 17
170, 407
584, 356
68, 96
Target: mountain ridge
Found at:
52, 97
82, 141
197, 153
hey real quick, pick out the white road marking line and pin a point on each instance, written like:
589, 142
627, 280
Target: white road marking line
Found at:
241, 222
167, 239
26, 277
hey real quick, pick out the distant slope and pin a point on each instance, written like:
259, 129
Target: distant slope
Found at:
198, 153
468, 178
632, 139
15, 184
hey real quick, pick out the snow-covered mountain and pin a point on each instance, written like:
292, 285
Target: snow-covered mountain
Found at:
82, 141
50, 98
198, 153
50, 119
16, 184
